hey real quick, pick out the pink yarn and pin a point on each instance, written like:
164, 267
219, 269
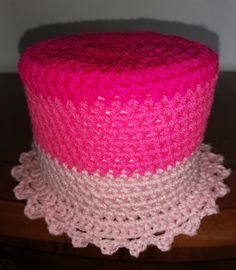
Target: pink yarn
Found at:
154, 135
136, 64
118, 122
131, 212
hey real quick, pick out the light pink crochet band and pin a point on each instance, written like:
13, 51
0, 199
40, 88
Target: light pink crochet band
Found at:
131, 212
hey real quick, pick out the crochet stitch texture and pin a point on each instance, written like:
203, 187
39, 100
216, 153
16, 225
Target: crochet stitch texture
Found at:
118, 119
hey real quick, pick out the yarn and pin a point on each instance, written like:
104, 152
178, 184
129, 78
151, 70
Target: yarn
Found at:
111, 65
118, 121
154, 135
131, 212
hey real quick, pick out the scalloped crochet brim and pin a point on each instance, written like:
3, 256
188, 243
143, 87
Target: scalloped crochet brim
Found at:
85, 212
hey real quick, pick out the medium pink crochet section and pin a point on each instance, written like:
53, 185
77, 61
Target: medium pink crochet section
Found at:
116, 137
116, 64
131, 212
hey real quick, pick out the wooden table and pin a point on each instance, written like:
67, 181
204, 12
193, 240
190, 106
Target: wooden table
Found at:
215, 243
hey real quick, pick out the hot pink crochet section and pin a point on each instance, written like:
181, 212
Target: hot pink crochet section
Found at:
116, 64
131, 137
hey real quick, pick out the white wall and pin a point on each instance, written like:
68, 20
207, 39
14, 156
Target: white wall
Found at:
18, 16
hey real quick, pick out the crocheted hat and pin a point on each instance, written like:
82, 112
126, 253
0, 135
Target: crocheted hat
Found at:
118, 119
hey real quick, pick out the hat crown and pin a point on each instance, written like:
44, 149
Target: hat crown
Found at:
88, 65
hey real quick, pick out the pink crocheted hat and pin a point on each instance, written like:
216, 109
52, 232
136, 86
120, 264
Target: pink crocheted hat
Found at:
118, 119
